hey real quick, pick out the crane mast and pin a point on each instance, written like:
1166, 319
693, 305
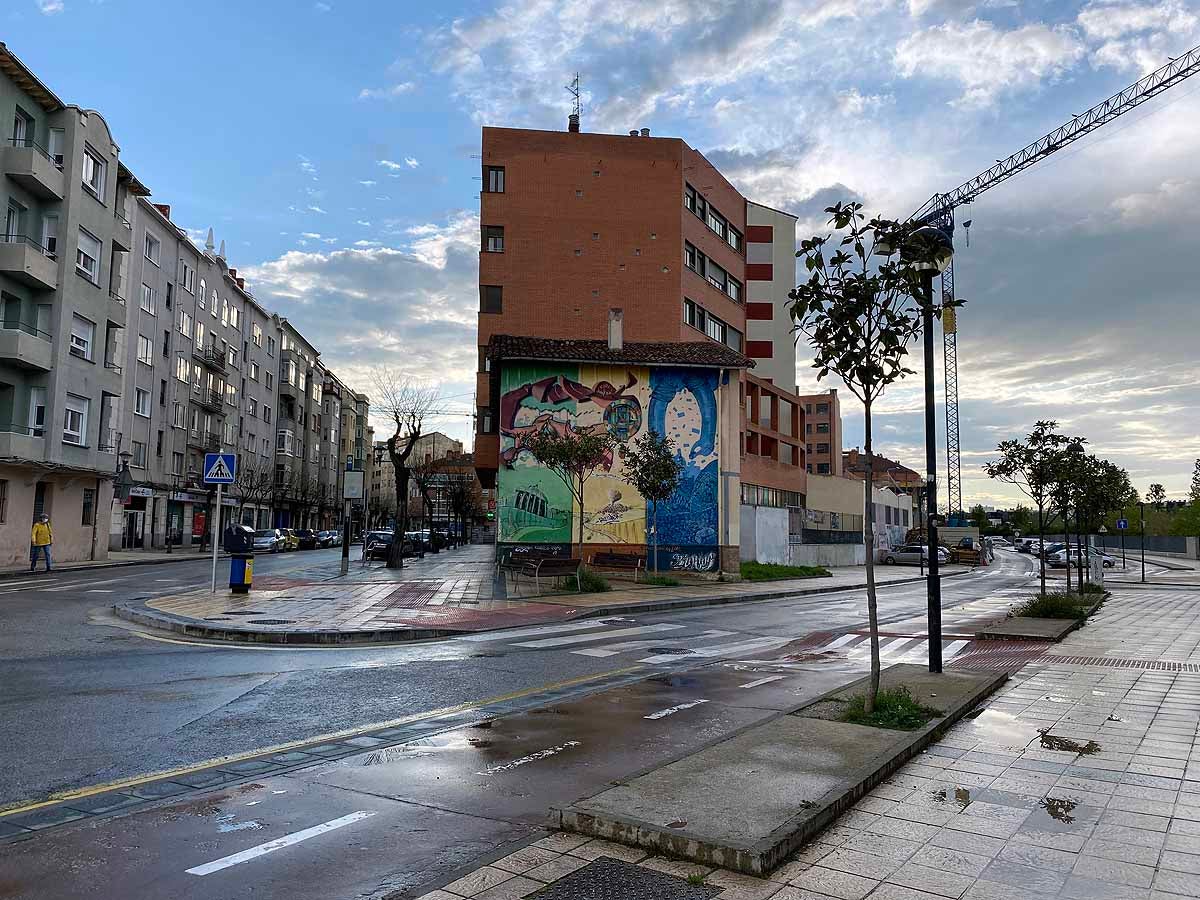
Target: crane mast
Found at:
939, 210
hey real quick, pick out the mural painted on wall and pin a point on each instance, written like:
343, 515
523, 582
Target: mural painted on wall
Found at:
536, 507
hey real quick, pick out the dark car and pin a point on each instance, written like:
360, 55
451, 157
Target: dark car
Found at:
308, 539
325, 538
377, 544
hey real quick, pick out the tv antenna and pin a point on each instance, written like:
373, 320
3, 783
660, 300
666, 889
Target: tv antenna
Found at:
573, 90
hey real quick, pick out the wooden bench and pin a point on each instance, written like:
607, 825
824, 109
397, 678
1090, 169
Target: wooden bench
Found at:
520, 561
557, 567
619, 562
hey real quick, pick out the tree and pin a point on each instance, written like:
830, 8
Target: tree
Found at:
426, 475
407, 405
653, 468
574, 456
255, 482
305, 491
860, 314
978, 516
1070, 472
1156, 495
1194, 493
1021, 518
1030, 466
462, 495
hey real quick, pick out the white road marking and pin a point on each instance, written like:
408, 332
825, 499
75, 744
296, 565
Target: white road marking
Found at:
101, 591
730, 650
527, 632
532, 757
614, 649
843, 640
278, 844
952, 649
671, 710
762, 681
581, 638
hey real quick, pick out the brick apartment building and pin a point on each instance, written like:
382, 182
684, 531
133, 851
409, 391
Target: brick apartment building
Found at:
823, 432
584, 233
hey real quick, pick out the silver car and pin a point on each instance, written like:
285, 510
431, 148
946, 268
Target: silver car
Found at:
912, 555
269, 540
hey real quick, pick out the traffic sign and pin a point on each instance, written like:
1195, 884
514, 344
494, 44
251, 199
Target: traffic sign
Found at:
1122, 524
352, 486
220, 468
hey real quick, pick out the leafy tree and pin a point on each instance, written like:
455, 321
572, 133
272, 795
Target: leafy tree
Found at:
1194, 493
652, 466
407, 405
859, 309
1156, 495
1070, 470
1021, 519
978, 516
573, 456
1031, 467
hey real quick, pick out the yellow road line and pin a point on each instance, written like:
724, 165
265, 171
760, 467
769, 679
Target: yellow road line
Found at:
79, 793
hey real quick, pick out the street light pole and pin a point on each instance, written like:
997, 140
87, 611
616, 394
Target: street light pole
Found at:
1142, 506
934, 588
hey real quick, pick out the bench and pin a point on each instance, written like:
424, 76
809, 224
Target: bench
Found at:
619, 562
520, 561
557, 567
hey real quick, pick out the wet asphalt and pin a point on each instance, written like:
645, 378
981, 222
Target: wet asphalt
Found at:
89, 699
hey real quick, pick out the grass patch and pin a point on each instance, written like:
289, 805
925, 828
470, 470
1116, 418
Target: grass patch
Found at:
696, 879
895, 708
1056, 605
661, 581
592, 583
754, 571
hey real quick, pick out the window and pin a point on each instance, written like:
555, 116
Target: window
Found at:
267, 414
270, 380
822, 428
254, 371
176, 463
213, 303
182, 369
178, 415
808, 448
822, 468
693, 258
87, 257
185, 324
285, 443
808, 427
162, 392
153, 247
491, 298
224, 311
733, 238
187, 277
822, 408
256, 335
822, 448
170, 293
166, 347
733, 288
89, 507
145, 350
231, 357
716, 222
493, 179
231, 394
252, 407
139, 454
808, 408
270, 346
75, 419
714, 328
493, 238
141, 402
200, 296
199, 334
3, 500
94, 170
149, 302
689, 198
83, 335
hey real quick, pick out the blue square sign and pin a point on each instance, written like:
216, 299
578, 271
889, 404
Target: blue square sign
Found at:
1122, 524
220, 468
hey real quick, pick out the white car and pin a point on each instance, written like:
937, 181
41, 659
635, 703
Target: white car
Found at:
1059, 560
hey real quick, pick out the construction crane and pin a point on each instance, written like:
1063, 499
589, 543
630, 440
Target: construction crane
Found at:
939, 211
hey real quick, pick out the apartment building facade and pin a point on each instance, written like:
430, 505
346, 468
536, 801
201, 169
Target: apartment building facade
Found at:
583, 230
823, 433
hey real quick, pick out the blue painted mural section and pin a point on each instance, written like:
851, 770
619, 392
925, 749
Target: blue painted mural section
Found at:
683, 407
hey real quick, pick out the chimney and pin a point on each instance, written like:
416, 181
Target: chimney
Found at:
165, 209
633, 132
233, 274
616, 340
645, 132
241, 282
573, 123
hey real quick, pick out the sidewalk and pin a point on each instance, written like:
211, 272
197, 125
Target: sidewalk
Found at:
1080, 780
451, 593
117, 558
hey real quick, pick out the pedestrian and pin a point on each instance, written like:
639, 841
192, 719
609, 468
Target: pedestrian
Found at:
40, 541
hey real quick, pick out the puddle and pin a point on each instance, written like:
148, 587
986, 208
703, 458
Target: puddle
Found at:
550, 711
976, 713
1002, 729
1066, 745
1059, 808
421, 748
962, 797
226, 824
1114, 719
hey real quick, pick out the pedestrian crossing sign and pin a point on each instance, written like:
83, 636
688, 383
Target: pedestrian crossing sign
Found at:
219, 468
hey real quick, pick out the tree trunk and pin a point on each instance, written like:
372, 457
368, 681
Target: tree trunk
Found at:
1067, 540
395, 558
655, 526
872, 605
1042, 544
580, 519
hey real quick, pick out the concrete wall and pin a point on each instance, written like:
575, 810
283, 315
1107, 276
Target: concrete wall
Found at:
827, 555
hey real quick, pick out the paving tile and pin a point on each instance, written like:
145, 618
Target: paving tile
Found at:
557, 868
936, 881
677, 867
835, 884
1145, 856
439, 895
993, 890
957, 862
513, 889
1080, 888
857, 863
477, 882
1135, 820
1023, 876
596, 848
1176, 882
899, 892
560, 841
1114, 871
1180, 862
790, 893
1039, 857
977, 844
882, 845
525, 859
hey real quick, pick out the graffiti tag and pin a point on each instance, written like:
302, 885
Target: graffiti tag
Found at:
700, 562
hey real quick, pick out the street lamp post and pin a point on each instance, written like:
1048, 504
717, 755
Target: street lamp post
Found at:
1142, 510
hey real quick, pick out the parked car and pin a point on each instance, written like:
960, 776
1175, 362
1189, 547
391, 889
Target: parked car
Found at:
269, 540
912, 555
1001, 542
306, 539
1058, 559
328, 539
377, 544
290, 540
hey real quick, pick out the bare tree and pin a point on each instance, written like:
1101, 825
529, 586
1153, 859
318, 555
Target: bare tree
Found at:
255, 483
462, 495
406, 404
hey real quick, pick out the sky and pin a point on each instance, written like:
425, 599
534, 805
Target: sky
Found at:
334, 146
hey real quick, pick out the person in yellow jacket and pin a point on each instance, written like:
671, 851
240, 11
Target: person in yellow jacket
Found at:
40, 541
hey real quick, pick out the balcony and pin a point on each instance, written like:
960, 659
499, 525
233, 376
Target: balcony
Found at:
25, 260
122, 232
289, 390
211, 357
210, 400
110, 441
117, 308
32, 167
25, 346
208, 441
22, 442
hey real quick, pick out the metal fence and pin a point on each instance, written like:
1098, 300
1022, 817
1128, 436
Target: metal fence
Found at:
815, 526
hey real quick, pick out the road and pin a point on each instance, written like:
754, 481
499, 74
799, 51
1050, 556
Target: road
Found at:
91, 700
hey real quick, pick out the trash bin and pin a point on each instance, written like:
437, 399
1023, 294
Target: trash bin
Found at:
239, 544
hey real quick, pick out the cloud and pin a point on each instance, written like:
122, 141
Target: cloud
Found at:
50, 7
363, 222
368, 183
316, 209
391, 166
311, 235
322, 7
986, 60
307, 166
386, 93
411, 162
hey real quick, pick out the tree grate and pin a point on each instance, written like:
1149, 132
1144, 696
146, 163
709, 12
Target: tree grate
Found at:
611, 879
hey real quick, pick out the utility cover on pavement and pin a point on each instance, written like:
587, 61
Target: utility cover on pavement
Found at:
611, 879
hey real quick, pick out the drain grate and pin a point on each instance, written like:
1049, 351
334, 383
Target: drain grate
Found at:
1116, 662
217, 619
271, 622
669, 651
611, 879
243, 612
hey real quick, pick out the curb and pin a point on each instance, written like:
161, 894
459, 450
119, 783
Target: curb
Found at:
765, 855
70, 569
136, 611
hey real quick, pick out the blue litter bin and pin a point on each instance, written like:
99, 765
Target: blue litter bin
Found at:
239, 544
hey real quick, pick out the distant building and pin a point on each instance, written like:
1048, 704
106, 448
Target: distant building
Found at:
885, 472
823, 432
